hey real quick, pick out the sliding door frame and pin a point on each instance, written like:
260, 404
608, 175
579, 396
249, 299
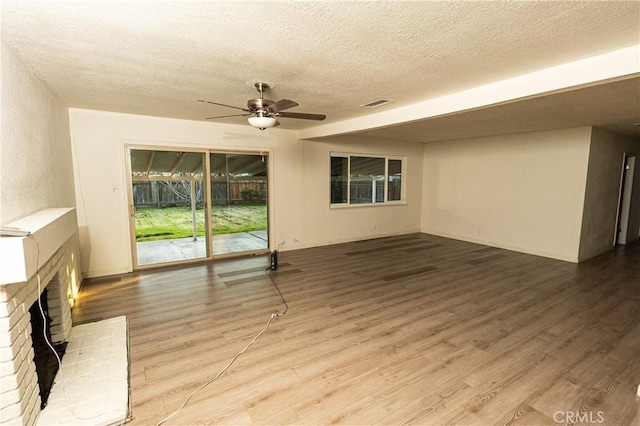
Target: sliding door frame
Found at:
206, 152
268, 154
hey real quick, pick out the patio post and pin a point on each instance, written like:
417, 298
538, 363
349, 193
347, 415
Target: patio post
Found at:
193, 210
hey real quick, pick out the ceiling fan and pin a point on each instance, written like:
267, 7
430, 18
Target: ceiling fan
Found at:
262, 112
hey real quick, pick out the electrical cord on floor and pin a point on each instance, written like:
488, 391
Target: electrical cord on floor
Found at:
226, 367
286, 306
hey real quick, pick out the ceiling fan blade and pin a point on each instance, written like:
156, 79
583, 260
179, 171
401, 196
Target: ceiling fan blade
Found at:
225, 116
302, 115
283, 104
224, 105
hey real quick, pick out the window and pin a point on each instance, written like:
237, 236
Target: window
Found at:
339, 179
394, 180
359, 179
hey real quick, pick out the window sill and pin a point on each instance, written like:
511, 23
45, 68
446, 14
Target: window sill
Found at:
355, 206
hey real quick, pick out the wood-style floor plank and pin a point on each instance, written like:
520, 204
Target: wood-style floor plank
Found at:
412, 329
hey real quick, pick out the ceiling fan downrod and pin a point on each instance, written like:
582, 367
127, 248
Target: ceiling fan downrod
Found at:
261, 87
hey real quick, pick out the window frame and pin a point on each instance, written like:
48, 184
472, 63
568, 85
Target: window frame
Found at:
386, 201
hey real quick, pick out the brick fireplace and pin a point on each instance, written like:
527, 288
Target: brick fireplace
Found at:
53, 247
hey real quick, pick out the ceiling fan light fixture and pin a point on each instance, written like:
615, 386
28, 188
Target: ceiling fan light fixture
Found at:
262, 122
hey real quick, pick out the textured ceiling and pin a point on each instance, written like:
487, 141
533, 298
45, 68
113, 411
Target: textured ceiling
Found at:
159, 57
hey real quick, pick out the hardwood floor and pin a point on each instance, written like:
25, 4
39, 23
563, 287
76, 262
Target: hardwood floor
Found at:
411, 329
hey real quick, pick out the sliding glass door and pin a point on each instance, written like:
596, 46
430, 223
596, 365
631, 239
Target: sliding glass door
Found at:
169, 208
238, 202
169, 197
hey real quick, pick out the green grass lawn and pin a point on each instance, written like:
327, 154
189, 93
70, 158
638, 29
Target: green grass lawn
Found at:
175, 222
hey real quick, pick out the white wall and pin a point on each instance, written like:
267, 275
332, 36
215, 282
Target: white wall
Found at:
603, 191
35, 155
36, 168
522, 192
300, 183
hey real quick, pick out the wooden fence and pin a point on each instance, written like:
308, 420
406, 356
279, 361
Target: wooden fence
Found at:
178, 194
362, 191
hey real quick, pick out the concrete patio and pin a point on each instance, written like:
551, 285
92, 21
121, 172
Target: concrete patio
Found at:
175, 250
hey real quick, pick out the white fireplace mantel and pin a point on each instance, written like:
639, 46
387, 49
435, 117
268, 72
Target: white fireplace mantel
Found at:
50, 227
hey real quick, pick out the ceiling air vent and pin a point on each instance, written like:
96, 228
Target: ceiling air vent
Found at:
377, 103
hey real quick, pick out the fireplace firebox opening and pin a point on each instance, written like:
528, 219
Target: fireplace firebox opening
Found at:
46, 361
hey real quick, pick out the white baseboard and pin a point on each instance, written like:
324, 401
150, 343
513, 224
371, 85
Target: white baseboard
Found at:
106, 272
323, 243
595, 254
526, 250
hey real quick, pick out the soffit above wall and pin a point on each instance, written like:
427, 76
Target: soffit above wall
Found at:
611, 105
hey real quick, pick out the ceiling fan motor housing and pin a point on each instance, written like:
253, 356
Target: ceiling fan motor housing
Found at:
258, 105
